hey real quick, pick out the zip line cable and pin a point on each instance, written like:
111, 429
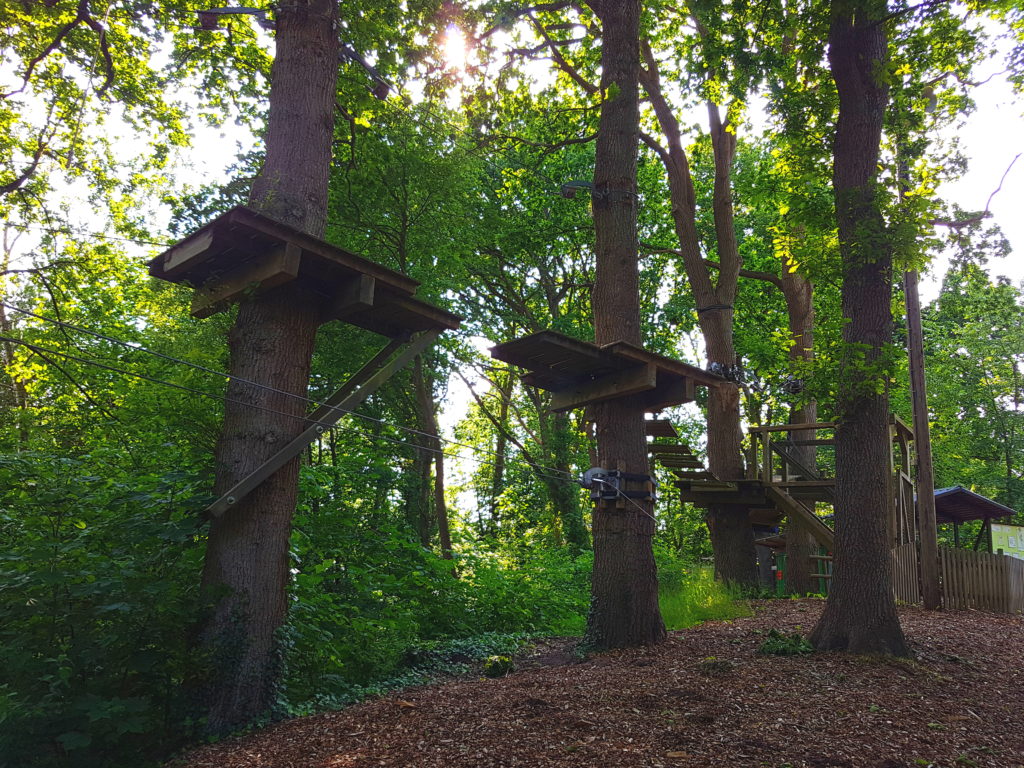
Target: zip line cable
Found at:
249, 382
535, 468
120, 371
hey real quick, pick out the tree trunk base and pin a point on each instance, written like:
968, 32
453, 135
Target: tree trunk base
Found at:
732, 539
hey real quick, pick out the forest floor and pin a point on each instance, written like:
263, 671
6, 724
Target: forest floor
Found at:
704, 698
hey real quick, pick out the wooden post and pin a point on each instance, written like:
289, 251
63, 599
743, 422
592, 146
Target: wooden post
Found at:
926, 525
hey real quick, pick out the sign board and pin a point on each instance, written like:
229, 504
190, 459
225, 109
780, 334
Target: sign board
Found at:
1009, 539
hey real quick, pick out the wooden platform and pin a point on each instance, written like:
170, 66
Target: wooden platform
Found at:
580, 373
243, 252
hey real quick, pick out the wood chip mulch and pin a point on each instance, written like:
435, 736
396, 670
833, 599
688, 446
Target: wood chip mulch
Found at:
703, 698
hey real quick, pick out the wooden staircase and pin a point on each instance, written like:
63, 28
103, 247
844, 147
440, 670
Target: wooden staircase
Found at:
780, 482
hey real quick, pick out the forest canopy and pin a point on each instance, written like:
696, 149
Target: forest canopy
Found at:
444, 519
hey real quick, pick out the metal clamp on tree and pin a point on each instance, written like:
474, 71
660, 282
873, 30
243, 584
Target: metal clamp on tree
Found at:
608, 485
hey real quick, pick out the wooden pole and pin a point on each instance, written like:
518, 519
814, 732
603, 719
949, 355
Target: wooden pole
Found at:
927, 528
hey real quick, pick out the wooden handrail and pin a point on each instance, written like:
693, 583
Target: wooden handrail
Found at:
793, 427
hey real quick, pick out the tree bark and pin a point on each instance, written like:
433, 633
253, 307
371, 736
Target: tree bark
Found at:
732, 537
428, 423
800, 545
624, 585
860, 614
245, 573
493, 528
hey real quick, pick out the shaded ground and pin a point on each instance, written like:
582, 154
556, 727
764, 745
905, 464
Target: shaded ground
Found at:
704, 698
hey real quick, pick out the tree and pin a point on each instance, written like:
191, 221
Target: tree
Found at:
245, 572
624, 609
860, 614
975, 360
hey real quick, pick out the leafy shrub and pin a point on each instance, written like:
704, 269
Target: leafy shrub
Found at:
780, 644
689, 595
97, 586
498, 666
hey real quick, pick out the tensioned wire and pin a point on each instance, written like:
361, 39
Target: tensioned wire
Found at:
120, 371
224, 375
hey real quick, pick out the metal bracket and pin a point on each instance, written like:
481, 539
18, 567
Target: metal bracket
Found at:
360, 386
607, 484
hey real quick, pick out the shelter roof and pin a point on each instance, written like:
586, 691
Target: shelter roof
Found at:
958, 505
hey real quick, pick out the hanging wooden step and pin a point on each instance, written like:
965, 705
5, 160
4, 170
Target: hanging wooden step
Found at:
660, 428
580, 373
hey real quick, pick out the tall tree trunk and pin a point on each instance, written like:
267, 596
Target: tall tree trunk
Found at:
800, 544
624, 586
860, 614
504, 389
566, 496
245, 573
417, 490
732, 537
426, 406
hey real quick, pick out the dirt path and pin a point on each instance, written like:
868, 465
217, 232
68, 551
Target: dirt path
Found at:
703, 699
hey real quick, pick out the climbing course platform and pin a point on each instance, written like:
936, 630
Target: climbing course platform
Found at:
580, 373
243, 252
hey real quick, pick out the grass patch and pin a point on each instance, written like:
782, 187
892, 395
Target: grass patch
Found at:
692, 595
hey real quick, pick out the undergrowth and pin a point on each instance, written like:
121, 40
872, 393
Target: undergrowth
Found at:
690, 595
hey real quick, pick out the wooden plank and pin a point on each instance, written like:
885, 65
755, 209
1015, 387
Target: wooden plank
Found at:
254, 276
712, 498
680, 462
658, 449
558, 354
691, 476
821, 532
610, 387
180, 257
804, 483
354, 296
660, 428
793, 427
326, 416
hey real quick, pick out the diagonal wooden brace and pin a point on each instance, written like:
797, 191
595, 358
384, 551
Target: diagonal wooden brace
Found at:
360, 385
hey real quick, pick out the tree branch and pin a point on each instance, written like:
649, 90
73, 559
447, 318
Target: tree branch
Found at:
560, 60
752, 274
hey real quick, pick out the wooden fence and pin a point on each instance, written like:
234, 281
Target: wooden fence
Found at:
905, 583
981, 580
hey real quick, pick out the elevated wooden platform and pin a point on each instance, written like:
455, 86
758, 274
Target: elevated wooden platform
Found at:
580, 373
243, 252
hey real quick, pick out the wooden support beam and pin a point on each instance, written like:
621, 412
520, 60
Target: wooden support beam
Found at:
794, 427
610, 387
357, 295
680, 462
370, 379
927, 527
658, 449
660, 428
186, 254
671, 391
792, 507
262, 273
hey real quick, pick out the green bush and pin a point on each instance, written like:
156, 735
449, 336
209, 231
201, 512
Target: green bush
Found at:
97, 586
498, 666
780, 644
689, 595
